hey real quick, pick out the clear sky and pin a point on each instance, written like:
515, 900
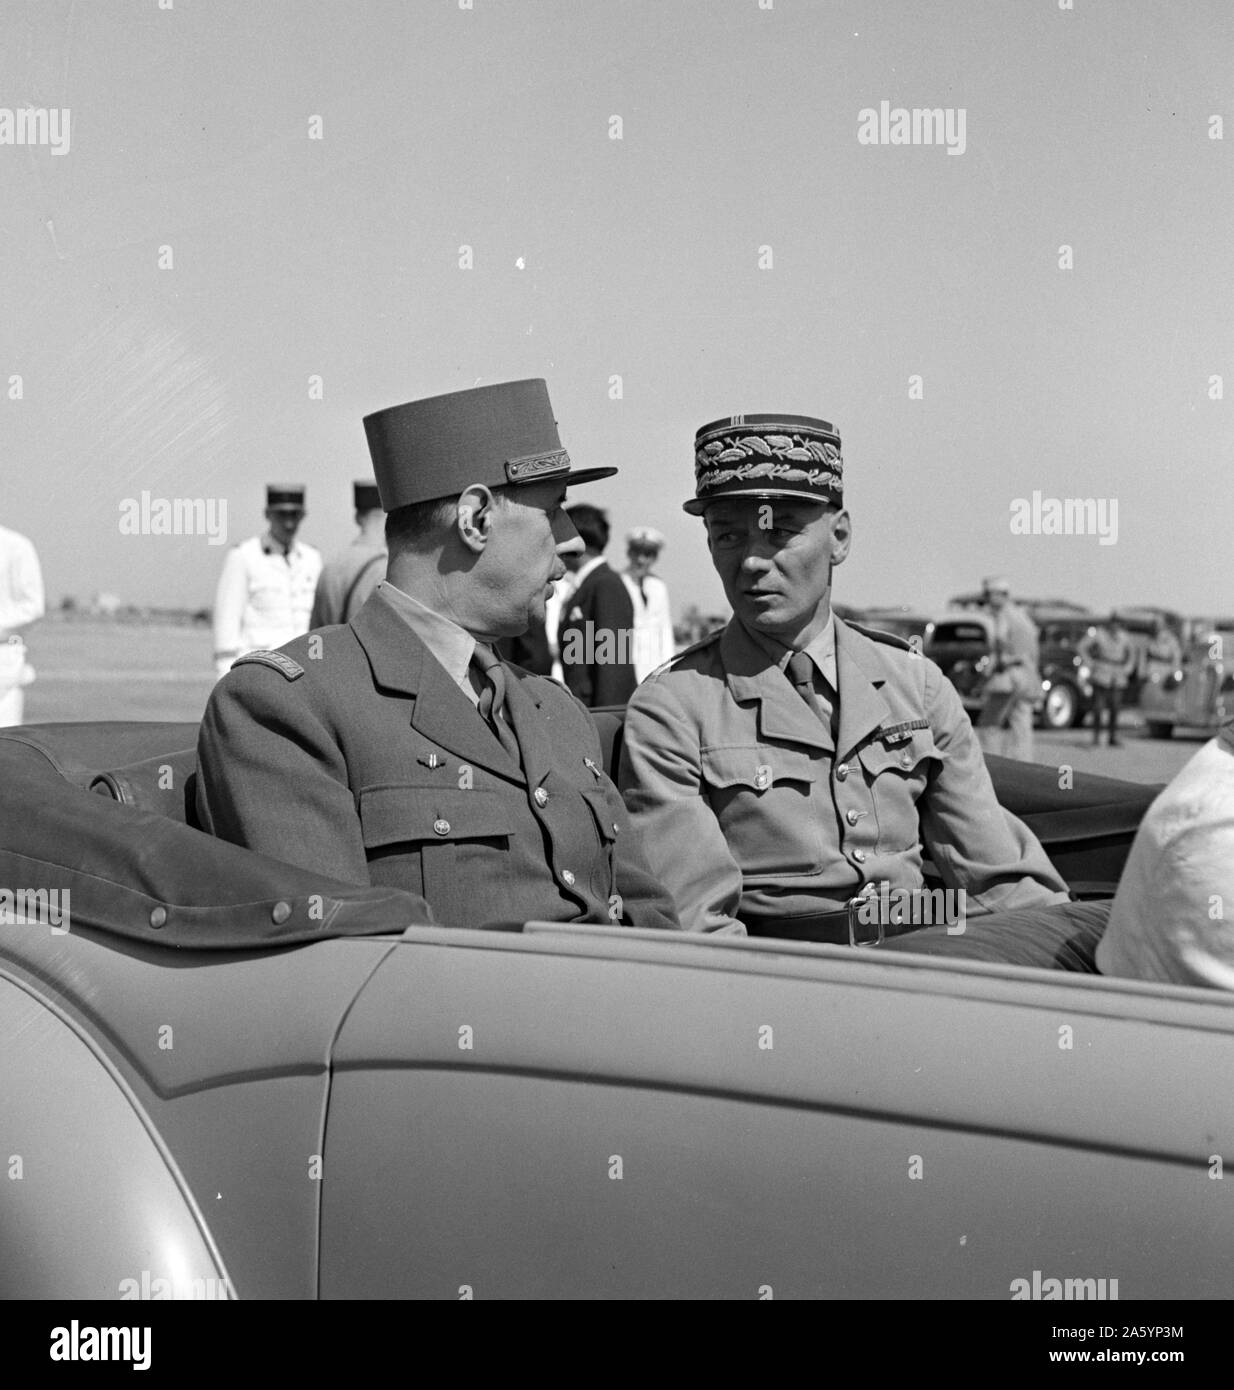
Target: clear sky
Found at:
490, 127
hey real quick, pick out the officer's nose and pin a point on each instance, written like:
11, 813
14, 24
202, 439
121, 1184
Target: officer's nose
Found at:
756, 559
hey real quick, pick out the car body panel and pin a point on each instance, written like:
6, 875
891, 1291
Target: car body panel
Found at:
91, 1199
749, 1157
619, 1122
228, 1055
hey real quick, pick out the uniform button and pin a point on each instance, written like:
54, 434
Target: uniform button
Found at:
158, 917
859, 855
852, 817
280, 912
614, 827
841, 772
906, 759
568, 876
541, 796
441, 827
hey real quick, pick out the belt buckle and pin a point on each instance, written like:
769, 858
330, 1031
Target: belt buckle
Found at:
856, 926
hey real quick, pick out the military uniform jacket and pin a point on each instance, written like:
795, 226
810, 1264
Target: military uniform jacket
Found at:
353, 752
346, 581
1111, 658
749, 809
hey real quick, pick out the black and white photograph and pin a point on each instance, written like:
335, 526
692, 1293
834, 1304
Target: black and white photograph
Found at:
617, 662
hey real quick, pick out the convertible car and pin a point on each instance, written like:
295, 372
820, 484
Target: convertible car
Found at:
226, 1078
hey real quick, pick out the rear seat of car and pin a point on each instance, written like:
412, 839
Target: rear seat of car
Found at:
1085, 822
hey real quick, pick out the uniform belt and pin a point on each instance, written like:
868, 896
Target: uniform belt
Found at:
842, 928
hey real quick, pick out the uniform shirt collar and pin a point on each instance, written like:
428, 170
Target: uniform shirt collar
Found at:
270, 546
822, 650
453, 646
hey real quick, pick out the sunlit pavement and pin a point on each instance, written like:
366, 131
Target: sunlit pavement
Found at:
1140, 759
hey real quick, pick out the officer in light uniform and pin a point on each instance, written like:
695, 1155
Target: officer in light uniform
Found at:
397, 749
793, 761
21, 603
653, 622
350, 577
265, 593
1013, 689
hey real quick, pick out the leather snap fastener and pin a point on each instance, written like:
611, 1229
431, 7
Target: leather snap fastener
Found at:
614, 827
541, 796
841, 772
859, 855
158, 917
568, 876
280, 912
441, 827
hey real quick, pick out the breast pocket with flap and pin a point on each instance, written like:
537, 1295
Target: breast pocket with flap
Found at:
762, 797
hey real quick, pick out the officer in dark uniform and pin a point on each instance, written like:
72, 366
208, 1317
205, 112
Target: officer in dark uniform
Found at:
398, 749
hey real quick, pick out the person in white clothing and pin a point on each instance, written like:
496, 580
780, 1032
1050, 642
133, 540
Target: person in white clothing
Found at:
653, 622
265, 593
1172, 918
21, 603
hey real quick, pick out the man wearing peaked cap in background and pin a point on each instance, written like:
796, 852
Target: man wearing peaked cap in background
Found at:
1005, 724
792, 762
653, 622
350, 577
265, 593
398, 749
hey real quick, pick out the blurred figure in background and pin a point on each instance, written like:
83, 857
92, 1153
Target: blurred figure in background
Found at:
350, 577
1165, 653
1005, 724
653, 622
596, 636
21, 603
265, 593
1111, 656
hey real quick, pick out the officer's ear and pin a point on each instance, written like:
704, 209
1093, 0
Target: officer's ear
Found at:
841, 536
474, 518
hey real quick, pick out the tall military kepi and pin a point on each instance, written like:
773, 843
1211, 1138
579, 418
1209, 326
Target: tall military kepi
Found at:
396, 748
794, 762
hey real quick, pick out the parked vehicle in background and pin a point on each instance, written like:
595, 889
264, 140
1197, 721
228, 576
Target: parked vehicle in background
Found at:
1066, 678
1038, 609
1200, 694
961, 645
1140, 622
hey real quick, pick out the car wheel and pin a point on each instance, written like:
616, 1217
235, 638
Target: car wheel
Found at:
1061, 707
1156, 729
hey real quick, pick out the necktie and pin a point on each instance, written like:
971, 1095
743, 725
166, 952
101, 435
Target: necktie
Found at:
493, 696
801, 672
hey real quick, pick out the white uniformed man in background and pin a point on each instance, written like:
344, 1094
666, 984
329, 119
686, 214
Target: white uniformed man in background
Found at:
265, 593
653, 622
21, 603
1005, 724
351, 576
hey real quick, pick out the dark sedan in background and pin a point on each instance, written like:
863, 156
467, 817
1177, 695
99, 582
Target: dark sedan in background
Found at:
961, 645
